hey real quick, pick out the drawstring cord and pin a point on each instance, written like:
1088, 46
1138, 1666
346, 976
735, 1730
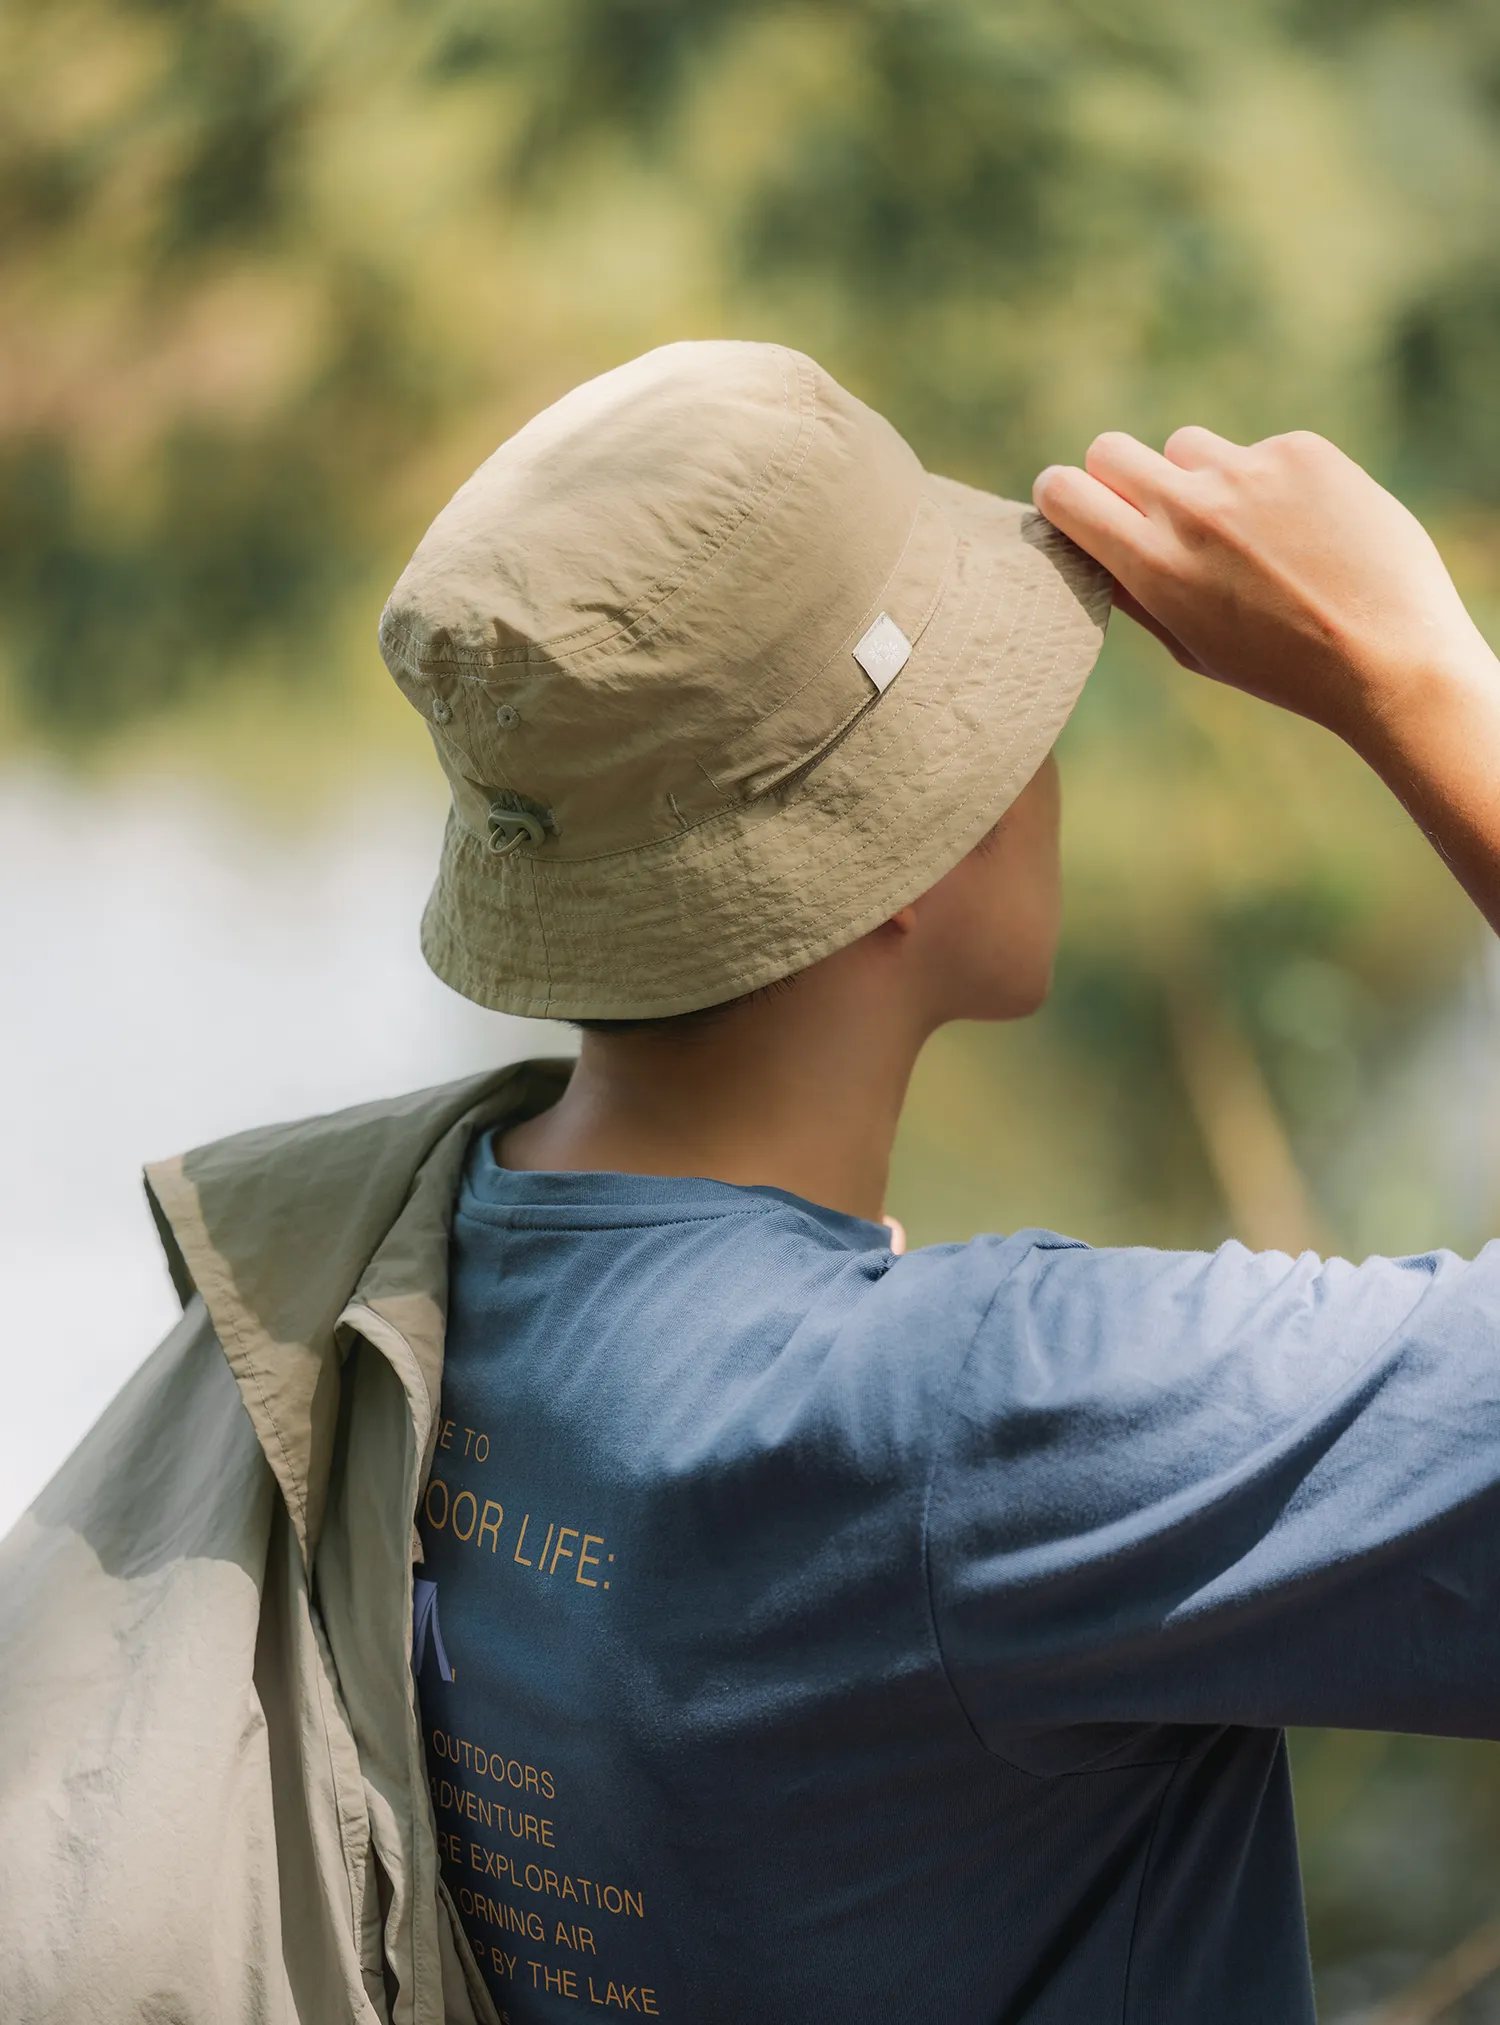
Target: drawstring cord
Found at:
510, 828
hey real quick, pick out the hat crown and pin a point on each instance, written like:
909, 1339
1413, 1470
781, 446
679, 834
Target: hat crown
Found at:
640, 611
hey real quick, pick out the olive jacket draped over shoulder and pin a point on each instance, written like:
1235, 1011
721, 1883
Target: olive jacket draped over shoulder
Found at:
213, 1800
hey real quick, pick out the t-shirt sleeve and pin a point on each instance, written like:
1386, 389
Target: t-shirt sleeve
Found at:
1223, 1488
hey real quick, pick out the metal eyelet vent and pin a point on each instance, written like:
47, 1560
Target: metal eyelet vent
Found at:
510, 828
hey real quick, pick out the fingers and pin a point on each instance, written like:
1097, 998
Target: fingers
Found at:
1195, 449
1130, 505
1091, 513
1130, 468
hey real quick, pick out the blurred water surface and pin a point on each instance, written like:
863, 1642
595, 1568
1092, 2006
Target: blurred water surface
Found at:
178, 968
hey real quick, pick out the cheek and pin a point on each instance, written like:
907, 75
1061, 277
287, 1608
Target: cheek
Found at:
1022, 929
1026, 939
996, 916
1028, 881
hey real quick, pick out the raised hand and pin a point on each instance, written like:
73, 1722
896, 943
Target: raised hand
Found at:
1281, 568
1284, 569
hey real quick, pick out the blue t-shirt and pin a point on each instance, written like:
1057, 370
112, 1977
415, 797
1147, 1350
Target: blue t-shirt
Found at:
805, 1633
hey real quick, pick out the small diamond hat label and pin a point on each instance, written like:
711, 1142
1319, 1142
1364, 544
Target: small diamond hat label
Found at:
883, 652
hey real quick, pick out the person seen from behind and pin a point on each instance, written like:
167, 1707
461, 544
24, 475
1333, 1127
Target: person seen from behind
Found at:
569, 1558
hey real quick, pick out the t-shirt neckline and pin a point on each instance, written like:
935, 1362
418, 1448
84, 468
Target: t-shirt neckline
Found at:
575, 1199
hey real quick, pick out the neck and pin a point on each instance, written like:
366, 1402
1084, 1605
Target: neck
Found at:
800, 1090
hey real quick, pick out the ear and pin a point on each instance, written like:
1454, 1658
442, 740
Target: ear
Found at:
904, 920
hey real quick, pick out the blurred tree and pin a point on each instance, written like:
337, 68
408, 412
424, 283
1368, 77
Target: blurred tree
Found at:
203, 392
300, 251
1446, 351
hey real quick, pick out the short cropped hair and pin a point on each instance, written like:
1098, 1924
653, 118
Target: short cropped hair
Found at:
686, 1024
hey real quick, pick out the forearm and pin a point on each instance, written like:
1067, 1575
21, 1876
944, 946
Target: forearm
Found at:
1435, 742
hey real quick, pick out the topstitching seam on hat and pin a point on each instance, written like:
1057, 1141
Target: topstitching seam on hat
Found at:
842, 648
1022, 724
939, 647
1010, 648
982, 604
866, 702
1034, 615
806, 763
792, 778
585, 641
541, 929
1043, 692
879, 880
907, 703
942, 648
1007, 647
807, 951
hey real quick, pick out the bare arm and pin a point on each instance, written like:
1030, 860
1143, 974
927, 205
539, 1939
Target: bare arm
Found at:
1284, 570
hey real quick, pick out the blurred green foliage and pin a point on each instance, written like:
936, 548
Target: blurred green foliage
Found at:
274, 278
262, 265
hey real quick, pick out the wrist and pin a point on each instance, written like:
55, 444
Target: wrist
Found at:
1397, 711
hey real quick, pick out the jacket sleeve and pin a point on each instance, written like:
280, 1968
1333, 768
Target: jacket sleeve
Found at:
138, 1867
1183, 1488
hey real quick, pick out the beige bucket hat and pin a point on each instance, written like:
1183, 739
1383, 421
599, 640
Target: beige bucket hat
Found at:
720, 678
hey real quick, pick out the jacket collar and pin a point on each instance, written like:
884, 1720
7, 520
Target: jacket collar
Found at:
281, 1229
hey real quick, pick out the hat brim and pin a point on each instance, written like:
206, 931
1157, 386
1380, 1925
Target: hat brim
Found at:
760, 891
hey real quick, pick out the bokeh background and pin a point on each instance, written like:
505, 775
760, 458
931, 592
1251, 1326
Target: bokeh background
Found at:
274, 278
